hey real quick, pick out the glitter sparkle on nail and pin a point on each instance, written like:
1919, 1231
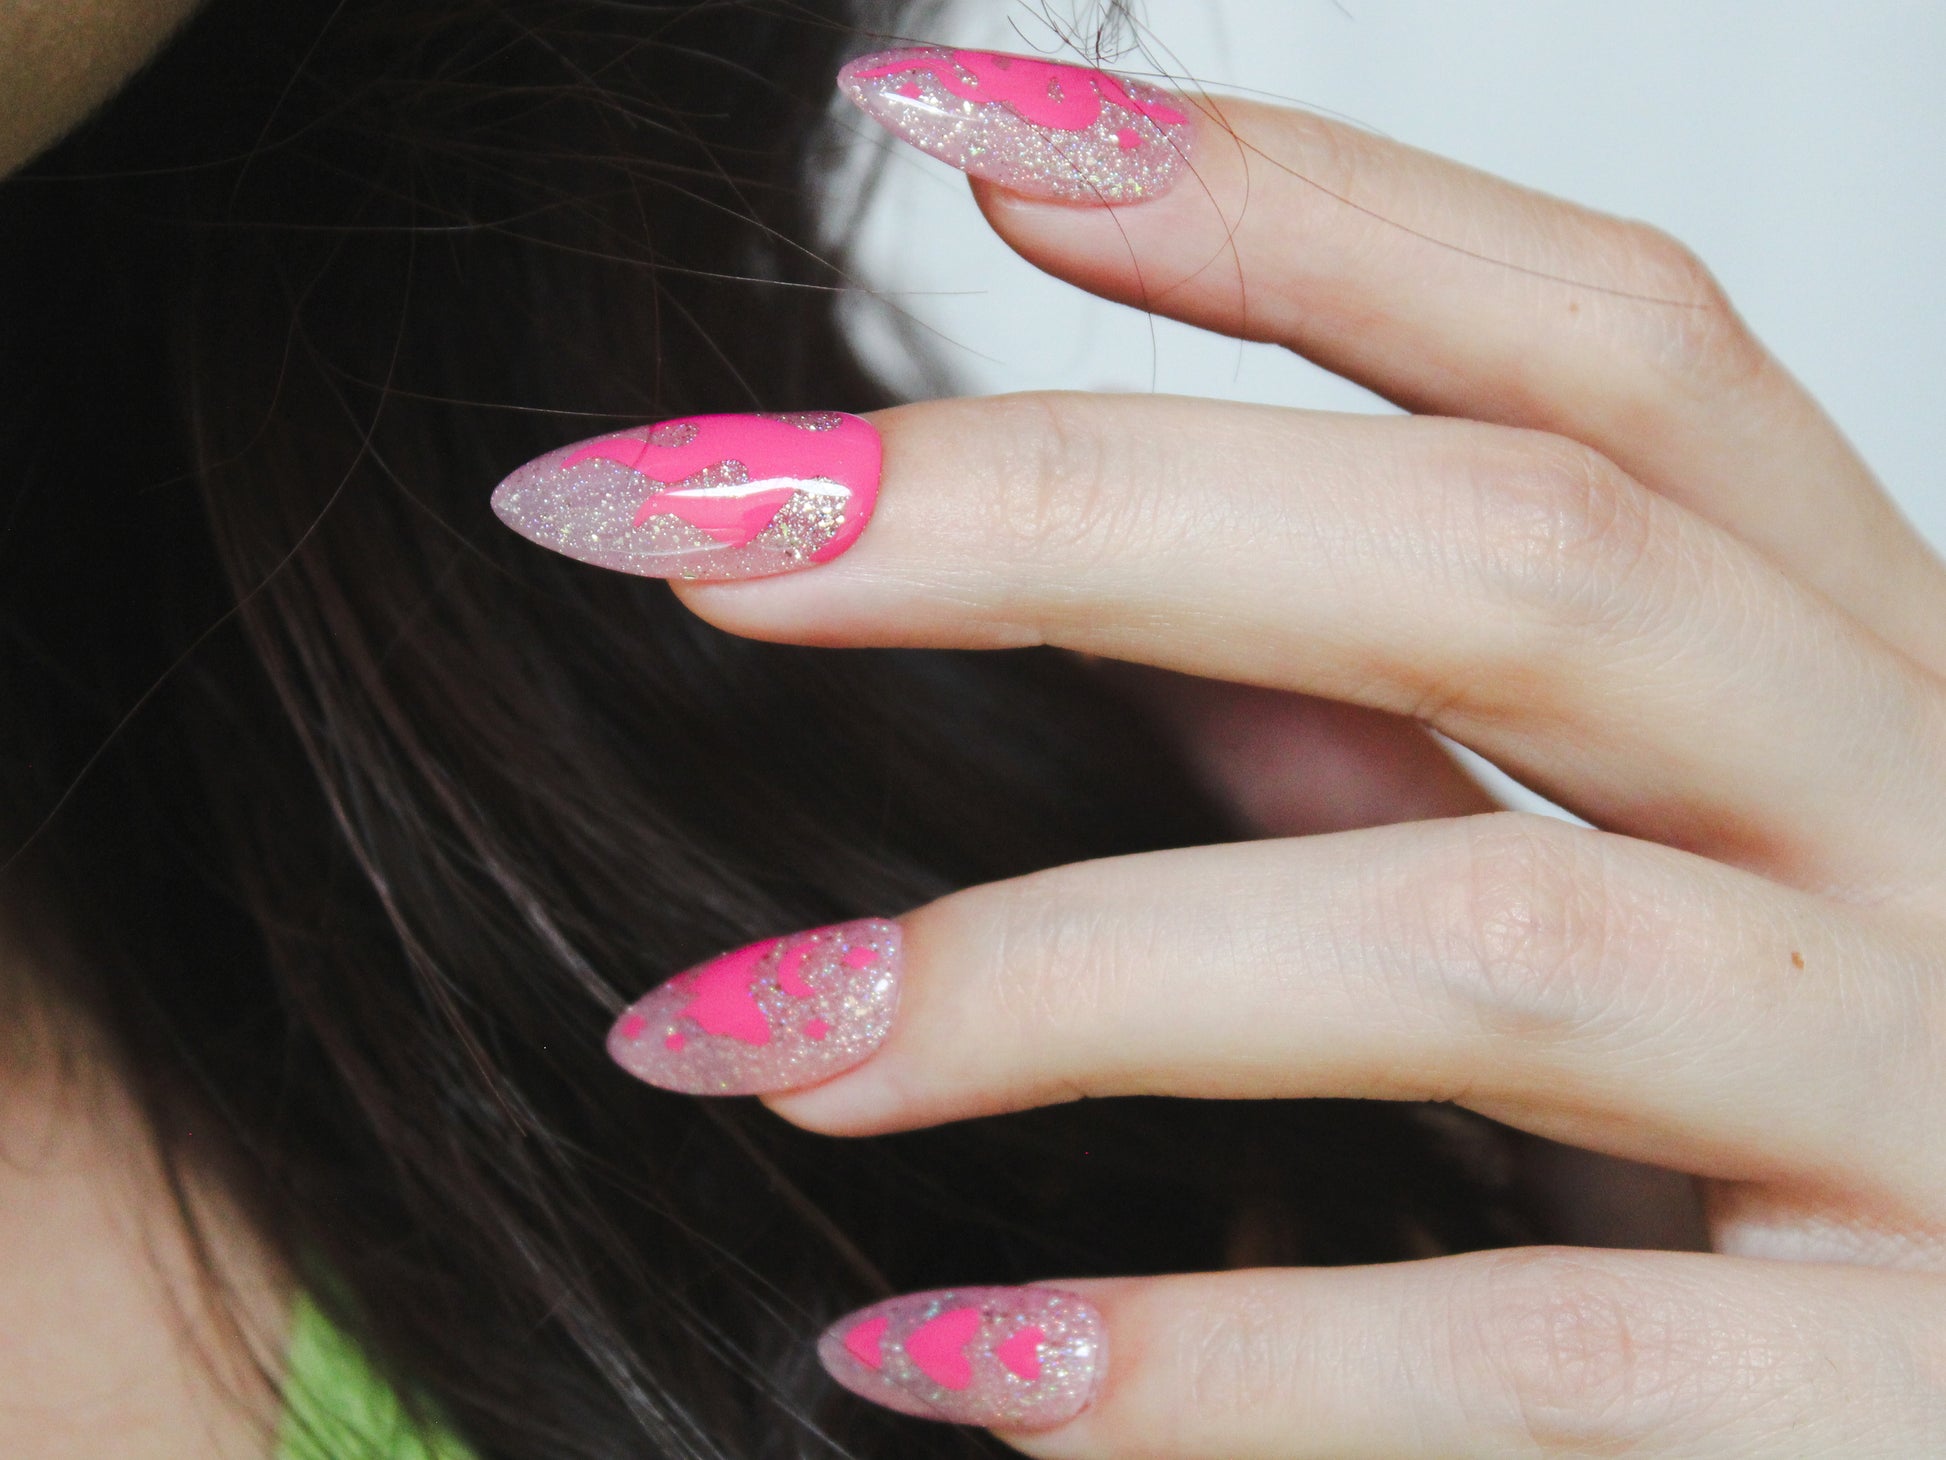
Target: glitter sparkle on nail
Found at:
1011, 1358
706, 497
770, 1016
1037, 127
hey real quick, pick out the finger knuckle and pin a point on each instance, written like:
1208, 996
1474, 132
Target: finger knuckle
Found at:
1337, 160
1067, 957
1063, 484
1575, 1356
1680, 325
1563, 537
1034, 927
1522, 936
1239, 1362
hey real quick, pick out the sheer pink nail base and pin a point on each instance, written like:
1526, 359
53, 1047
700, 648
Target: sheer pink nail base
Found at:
703, 497
1003, 1358
772, 1016
1036, 127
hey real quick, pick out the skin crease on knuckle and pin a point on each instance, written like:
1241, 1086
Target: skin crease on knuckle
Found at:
1054, 967
1688, 348
1560, 557
1056, 490
1562, 537
1591, 587
1552, 944
1695, 361
1523, 937
1214, 1363
1569, 1355
1697, 353
1547, 933
1100, 489
1069, 953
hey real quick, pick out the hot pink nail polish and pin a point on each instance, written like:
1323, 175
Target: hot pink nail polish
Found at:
1035, 127
776, 1015
703, 497
1004, 1358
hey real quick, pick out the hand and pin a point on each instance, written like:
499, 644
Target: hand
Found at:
1620, 553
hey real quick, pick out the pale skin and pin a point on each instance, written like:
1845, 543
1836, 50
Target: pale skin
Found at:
1624, 555
110, 1343
1634, 563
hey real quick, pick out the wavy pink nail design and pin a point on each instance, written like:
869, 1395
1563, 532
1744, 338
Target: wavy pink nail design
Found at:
1036, 127
704, 496
775, 1015
1005, 1358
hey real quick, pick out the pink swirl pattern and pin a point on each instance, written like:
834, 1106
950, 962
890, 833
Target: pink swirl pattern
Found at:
1046, 93
773, 1015
704, 496
1037, 127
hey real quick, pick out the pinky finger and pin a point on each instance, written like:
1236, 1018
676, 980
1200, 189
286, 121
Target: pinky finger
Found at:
1489, 1356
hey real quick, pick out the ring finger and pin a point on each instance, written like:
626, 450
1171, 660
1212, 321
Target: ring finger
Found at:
1590, 988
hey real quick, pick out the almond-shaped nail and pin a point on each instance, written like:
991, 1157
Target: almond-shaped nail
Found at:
1005, 1358
704, 496
1037, 128
776, 1015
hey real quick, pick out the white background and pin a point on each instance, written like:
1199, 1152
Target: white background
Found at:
1798, 146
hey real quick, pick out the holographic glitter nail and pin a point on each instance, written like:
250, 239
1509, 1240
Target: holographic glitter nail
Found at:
1003, 1358
703, 497
1035, 127
776, 1015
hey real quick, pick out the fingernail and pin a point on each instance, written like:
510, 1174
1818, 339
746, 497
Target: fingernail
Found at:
1034, 127
703, 497
1004, 1358
776, 1015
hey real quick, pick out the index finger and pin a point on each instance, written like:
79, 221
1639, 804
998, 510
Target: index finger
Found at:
1455, 293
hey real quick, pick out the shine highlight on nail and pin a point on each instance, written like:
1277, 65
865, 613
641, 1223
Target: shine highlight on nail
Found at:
1006, 1358
704, 497
1037, 128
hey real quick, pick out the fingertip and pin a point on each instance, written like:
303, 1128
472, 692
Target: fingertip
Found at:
1132, 254
848, 1106
1026, 1359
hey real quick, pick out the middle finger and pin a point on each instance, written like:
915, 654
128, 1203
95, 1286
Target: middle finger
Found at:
1514, 590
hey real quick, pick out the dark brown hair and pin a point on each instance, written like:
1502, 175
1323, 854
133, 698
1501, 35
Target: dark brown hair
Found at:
354, 818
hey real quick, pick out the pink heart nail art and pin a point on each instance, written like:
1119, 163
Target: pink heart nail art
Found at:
1036, 127
1022, 1353
866, 1342
774, 1015
1005, 1358
938, 1347
703, 497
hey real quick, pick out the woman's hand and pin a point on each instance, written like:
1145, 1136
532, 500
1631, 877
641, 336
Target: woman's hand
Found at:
1619, 552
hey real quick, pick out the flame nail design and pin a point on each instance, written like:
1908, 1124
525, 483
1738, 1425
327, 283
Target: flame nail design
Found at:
775, 1015
1006, 1358
1035, 127
703, 497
